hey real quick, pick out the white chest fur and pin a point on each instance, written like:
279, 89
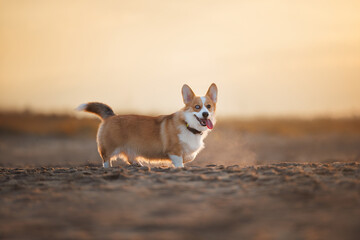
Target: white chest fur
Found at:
191, 143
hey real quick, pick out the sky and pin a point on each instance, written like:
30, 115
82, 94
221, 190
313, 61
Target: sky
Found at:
268, 58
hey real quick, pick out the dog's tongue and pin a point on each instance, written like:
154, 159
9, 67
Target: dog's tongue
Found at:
209, 124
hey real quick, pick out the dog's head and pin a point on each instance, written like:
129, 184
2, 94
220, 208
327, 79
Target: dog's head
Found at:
199, 112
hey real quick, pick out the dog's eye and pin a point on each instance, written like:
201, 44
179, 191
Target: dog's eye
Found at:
208, 106
197, 106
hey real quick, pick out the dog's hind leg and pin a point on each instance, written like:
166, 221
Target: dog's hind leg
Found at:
107, 164
132, 160
105, 158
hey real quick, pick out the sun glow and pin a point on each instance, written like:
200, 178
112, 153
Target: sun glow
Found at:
267, 58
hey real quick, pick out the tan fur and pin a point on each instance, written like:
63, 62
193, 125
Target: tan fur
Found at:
152, 138
149, 137
197, 101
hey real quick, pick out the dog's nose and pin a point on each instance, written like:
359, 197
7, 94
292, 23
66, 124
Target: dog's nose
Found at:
205, 114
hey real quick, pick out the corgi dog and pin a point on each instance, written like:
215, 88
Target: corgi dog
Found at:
177, 137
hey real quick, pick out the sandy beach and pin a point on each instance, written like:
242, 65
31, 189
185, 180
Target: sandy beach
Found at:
275, 201
254, 180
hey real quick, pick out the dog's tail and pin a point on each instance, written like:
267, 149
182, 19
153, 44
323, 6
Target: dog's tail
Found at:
100, 109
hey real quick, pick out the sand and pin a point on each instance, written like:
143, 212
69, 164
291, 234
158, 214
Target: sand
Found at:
273, 201
256, 179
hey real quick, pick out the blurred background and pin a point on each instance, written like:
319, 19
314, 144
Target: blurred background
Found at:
288, 74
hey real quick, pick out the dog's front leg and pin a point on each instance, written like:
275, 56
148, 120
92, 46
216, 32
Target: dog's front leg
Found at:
177, 160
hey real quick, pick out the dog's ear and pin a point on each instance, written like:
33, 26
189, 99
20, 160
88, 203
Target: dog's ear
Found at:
212, 92
187, 94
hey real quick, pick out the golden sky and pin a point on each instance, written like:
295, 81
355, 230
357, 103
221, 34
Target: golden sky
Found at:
275, 57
